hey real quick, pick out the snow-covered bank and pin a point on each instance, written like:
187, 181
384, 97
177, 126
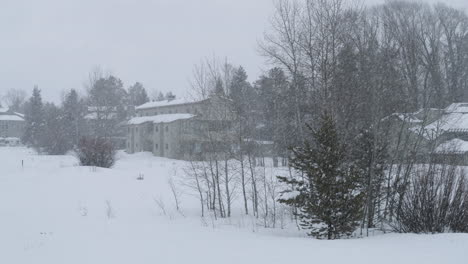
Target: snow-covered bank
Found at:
52, 211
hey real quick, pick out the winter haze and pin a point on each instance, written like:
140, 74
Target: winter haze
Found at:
247, 131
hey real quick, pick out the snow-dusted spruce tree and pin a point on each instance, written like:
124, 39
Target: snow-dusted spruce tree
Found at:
35, 120
107, 98
369, 153
326, 188
137, 94
73, 109
54, 141
96, 151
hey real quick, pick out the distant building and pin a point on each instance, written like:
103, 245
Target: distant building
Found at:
11, 126
442, 132
180, 128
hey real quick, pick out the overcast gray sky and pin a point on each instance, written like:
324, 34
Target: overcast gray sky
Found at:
56, 43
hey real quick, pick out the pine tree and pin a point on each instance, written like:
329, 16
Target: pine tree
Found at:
218, 88
275, 106
107, 98
72, 121
327, 191
54, 141
160, 97
169, 96
137, 94
35, 120
370, 156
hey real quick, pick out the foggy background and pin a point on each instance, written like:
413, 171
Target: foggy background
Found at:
56, 43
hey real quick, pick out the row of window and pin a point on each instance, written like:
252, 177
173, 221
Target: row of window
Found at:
5, 125
156, 129
156, 146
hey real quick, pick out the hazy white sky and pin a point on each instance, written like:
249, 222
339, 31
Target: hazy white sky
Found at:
56, 43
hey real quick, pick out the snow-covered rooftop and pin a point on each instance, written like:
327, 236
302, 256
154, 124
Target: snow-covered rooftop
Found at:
178, 101
3, 109
94, 116
455, 145
10, 118
450, 122
407, 117
457, 108
159, 118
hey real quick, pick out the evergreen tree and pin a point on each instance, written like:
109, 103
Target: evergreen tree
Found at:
169, 96
107, 101
72, 122
276, 108
238, 86
54, 141
137, 94
328, 192
160, 97
218, 88
370, 156
35, 121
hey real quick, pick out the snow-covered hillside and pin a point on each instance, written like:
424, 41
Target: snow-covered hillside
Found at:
53, 211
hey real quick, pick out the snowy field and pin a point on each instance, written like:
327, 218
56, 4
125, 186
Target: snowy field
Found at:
54, 212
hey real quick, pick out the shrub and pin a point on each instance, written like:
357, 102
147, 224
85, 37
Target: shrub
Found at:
96, 151
435, 201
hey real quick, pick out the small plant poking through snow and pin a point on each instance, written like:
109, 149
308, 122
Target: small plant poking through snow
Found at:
175, 193
109, 210
161, 205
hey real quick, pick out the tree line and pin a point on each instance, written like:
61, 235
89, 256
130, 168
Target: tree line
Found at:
57, 128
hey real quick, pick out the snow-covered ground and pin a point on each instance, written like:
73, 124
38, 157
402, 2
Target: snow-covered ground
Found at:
53, 211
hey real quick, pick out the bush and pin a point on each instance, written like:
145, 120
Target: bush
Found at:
96, 151
435, 201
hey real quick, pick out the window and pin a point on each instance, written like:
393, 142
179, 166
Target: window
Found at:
136, 129
167, 146
156, 128
156, 146
167, 128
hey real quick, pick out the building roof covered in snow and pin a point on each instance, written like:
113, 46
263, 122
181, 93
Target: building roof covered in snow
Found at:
10, 118
454, 118
100, 116
406, 117
461, 108
168, 118
7, 115
450, 122
455, 145
179, 101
